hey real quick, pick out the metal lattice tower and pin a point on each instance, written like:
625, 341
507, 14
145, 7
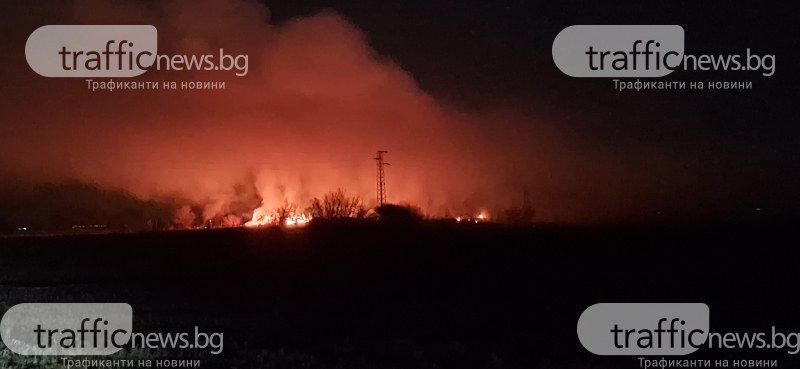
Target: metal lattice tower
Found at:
381, 177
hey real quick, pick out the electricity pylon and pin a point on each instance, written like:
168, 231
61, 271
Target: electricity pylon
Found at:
381, 177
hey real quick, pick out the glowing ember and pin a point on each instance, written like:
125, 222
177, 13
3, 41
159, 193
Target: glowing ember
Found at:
481, 217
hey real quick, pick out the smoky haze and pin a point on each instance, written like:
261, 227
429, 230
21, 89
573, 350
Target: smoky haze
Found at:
316, 104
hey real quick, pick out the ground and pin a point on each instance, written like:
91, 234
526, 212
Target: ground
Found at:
429, 295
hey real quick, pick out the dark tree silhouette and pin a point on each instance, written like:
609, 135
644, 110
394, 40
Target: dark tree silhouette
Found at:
336, 204
284, 212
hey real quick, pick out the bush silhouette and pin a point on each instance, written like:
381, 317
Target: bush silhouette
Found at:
336, 204
392, 213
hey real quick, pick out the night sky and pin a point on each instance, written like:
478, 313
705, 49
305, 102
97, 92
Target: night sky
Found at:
463, 94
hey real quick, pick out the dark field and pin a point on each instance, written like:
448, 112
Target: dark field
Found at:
421, 296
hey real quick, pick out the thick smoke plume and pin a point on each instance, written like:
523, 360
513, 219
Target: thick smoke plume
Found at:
317, 103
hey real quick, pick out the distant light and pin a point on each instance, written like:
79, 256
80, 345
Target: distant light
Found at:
22, 228
458, 219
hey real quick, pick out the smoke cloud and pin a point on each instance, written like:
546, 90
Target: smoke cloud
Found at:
317, 103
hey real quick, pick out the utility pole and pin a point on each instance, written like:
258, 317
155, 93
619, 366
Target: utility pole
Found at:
381, 177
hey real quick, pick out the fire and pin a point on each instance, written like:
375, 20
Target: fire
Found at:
480, 217
299, 220
260, 217
264, 217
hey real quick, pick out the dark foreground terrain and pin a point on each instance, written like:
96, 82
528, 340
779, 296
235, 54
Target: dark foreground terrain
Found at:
421, 296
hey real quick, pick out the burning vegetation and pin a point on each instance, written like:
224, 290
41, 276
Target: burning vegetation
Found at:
171, 164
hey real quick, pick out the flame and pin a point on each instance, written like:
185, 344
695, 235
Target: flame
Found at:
262, 216
297, 220
483, 216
